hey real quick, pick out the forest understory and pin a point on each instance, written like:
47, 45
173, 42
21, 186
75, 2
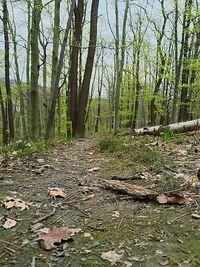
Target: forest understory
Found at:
65, 188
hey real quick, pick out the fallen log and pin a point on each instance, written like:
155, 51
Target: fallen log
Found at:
138, 176
180, 127
136, 191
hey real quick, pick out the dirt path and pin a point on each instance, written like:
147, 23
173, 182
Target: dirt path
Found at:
144, 234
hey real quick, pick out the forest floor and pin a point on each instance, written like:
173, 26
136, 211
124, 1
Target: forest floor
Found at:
110, 227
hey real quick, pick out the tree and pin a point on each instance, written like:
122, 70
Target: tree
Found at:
35, 31
7, 71
55, 90
84, 90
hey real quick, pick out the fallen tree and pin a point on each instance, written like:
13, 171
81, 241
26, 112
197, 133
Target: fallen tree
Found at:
180, 127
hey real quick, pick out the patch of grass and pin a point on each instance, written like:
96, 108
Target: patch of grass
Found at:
110, 144
151, 157
21, 149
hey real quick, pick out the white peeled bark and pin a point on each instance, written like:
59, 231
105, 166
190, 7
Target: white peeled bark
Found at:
175, 127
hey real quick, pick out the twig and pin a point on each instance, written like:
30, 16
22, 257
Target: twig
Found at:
10, 244
10, 249
120, 223
33, 262
179, 217
59, 219
44, 217
96, 228
82, 211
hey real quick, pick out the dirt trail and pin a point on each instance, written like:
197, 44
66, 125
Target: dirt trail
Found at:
146, 234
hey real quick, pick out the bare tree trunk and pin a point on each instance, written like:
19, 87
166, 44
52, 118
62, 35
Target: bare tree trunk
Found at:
184, 105
7, 71
73, 72
119, 62
100, 85
84, 91
12, 28
28, 51
56, 39
36, 13
55, 90
4, 120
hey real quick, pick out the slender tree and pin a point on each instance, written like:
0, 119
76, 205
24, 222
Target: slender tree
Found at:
7, 70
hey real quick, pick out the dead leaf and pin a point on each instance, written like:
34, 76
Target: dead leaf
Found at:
94, 169
175, 199
111, 256
115, 214
17, 203
56, 192
164, 262
9, 223
55, 236
88, 235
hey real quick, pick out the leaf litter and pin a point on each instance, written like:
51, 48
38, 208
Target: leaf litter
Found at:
49, 239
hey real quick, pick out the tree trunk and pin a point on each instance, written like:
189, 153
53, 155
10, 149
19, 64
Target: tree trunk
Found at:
119, 62
184, 105
84, 91
55, 90
73, 72
36, 13
7, 72
56, 39
12, 28
4, 120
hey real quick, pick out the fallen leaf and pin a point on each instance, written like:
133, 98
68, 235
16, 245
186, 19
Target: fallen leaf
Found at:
56, 192
164, 262
111, 256
55, 236
94, 169
9, 223
17, 203
115, 214
175, 199
162, 199
88, 235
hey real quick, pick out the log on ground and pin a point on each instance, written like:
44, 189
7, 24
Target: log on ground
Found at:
180, 127
136, 191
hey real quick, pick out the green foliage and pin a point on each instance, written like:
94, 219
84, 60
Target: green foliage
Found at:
166, 134
21, 149
109, 144
151, 157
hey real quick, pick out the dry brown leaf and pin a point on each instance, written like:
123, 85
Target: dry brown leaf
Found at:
56, 192
94, 169
17, 203
9, 223
175, 199
111, 256
55, 236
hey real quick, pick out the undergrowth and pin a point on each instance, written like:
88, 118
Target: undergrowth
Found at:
20, 149
131, 153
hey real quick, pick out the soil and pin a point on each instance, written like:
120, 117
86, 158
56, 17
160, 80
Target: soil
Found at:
144, 232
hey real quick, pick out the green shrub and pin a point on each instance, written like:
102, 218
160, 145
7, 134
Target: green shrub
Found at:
21, 148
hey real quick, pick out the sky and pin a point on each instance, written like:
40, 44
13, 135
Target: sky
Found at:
20, 17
